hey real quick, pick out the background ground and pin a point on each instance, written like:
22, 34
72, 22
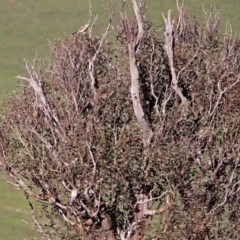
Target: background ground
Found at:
26, 26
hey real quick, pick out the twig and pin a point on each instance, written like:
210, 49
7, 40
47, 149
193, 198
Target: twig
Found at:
91, 64
93, 161
151, 199
222, 92
15, 129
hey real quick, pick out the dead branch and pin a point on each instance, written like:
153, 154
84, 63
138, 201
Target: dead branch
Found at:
49, 147
93, 160
91, 63
34, 83
137, 106
180, 23
222, 92
143, 212
169, 50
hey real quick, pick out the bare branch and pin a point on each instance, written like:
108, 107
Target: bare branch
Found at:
22, 141
39, 226
34, 83
140, 26
169, 50
221, 92
93, 161
91, 63
137, 106
180, 23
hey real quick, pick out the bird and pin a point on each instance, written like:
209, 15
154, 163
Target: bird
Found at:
74, 194
21, 184
81, 29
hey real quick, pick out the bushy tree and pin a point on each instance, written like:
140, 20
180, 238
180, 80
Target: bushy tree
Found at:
139, 140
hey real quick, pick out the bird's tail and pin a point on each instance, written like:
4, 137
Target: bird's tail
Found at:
73, 34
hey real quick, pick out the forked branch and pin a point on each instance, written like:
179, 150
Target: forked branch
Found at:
169, 50
137, 106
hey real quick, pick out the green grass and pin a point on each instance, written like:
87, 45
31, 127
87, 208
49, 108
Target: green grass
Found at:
11, 227
15, 221
26, 26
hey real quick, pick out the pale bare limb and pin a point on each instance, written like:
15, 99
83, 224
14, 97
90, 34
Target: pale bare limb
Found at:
180, 23
142, 202
169, 50
34, 83
66, 219
40, 230
222, 91
137, 106
167, 97
126, 235
140, 26
15, 129
151, 80
91, 67
228, 191
48, 146
97, 203
93, 160
212, 18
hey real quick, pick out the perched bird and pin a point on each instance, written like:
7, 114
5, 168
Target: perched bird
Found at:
73, 196
82, 29
21, 184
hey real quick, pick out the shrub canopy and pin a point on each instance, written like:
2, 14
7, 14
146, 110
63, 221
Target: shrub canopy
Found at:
138, 140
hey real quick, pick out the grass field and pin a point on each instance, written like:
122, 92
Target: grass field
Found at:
26, 26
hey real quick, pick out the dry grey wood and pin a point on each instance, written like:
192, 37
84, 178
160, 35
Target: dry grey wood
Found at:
137, 106
169, 50
34, 81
